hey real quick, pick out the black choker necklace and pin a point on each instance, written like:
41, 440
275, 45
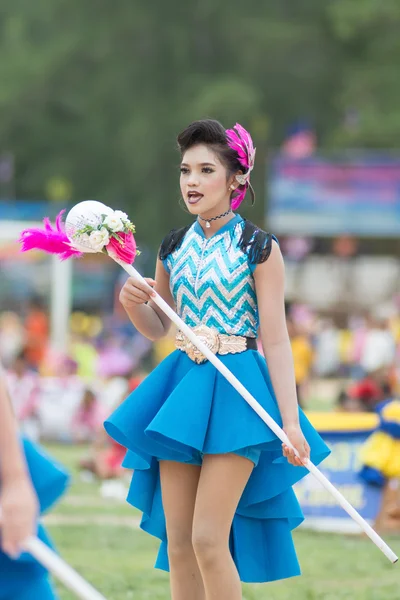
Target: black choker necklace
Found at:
208, 221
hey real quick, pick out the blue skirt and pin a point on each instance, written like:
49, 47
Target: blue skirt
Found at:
50, 481
183, 410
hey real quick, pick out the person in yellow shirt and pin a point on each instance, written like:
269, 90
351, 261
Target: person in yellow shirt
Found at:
380, 460
164, 346
303, 357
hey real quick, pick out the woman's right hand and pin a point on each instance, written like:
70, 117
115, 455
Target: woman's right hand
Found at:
135, 292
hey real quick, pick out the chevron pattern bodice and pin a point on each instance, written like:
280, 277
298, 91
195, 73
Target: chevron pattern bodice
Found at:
212, 282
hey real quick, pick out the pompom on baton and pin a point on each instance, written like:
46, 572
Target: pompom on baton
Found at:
89, 227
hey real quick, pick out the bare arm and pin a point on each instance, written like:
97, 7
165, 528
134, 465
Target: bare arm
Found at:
14, 464
18, 500
148, 318
270, 283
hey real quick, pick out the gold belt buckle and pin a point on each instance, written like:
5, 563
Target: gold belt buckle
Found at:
208, 336
218, 343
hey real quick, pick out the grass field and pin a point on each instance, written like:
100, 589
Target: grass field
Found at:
100, 538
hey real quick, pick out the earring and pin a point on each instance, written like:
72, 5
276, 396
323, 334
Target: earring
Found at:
232, 187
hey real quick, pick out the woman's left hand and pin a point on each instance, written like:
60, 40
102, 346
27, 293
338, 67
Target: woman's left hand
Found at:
298, 440
20, 509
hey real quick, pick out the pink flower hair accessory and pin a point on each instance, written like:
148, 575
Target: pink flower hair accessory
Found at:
240, 141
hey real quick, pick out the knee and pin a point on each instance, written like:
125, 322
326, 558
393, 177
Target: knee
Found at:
179, 543
207, 545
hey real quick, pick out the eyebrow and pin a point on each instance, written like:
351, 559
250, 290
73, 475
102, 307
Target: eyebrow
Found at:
205, 164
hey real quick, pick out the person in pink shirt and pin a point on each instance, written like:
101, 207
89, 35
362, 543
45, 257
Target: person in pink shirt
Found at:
88, 418
24, 388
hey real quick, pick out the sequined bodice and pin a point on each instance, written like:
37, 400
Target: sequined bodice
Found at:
212, 282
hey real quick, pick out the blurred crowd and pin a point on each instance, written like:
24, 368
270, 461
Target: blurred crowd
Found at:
361, 352
66, 396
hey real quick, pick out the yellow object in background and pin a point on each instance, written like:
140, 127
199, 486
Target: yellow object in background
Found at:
164, 346
391, 412
86, 356
345, 345
382, 452
340, 422
395, 328
302, 357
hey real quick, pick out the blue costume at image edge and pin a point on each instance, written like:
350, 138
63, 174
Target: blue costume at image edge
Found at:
25, 578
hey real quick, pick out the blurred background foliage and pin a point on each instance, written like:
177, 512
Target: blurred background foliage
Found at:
95, 92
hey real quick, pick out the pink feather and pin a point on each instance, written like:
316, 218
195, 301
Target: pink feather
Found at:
240, 141
50, 240
239, 197
235, 145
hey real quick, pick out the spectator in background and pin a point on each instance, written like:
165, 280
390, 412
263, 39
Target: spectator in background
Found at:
365, 394
380, 460
106, 456
37, 333
84, 353
61, 391
346, 403
302, 357
358, 326
24, 387
114, 358
379, 347
346, 347
12, 337
326, 347
88, 418
164, 346
114, 386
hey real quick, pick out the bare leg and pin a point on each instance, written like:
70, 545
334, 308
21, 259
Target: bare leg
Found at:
179, 487
222, 481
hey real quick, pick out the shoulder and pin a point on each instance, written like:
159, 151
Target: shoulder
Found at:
256, 243
172, 241
270, 274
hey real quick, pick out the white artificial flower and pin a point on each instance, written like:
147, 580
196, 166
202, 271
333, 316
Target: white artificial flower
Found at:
84, 238
99, 239
121, 215
114, 222
81, 242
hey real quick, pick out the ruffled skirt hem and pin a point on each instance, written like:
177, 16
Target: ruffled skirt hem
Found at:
182, 411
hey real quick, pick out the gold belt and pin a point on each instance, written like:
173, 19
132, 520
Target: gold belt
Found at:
218, 343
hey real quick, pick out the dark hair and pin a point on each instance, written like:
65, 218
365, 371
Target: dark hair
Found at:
213, 134
22, 355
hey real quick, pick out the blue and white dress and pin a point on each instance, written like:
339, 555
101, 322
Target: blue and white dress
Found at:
184, 410
25, 578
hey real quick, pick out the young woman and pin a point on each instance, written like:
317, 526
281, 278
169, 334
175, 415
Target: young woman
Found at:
209, 476
29, 483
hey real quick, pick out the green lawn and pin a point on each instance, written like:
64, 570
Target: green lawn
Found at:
117, 557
